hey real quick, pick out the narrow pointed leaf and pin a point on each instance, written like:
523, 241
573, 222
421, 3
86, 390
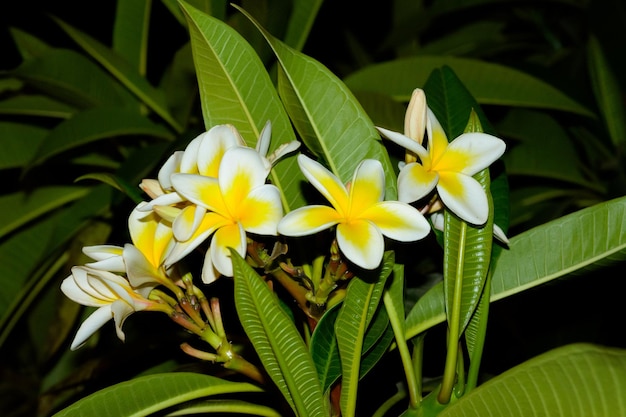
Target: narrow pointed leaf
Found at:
236, 89
36, 105
582, 241
361, 302
277, 341
301, 21
96, 124
608, 93
149, 394
235, 407
130, 32
329, 119
573, 380
127, 75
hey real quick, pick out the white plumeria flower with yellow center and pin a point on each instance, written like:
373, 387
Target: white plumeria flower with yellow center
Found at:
238, 201
113, 295
361, 215
448, 167
143, 260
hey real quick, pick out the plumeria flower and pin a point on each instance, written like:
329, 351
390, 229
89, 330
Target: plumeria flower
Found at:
113, 295
237, 202
361, 215
448, 167
143, 260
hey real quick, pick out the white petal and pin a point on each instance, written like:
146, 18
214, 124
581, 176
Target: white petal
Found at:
414, 182
213, 145
263, 144
326, 183
91, 325
404, 141
189, 159
308, 220
398, 221
209, 273
261, 210
361, 242
241, 170
121, 311
171, 166
480, 150
167, 199
108, 257
464, 196
187, 222
140, 271
232, 236
499, 234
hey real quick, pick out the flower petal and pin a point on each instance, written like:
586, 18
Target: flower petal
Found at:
167, 199
140, 271
414, 182
74, 292
108, 257
263, 144
231, 236
398, 221
308, 220
464, 196
241, 171
210, 223
213, 145
405, 141
187, 222
189, 159
201, 190
326, 183
361, 242
367, 187
261, 210
171, 166
121, 311
471, 153
91, 325
437, 140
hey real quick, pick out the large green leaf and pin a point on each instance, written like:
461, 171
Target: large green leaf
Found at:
325, 351
573, 380
235, 88
584, 240
330, 121
150, 394
127, 75
96, 124
277, 341
541, 138
361, 302
489, 83
72, 77
21, 207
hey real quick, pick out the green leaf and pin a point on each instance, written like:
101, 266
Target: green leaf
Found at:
19, 208
236, 89
361, 302
36, 105
236, 407
96, 124
573, 380
573, 244
130, 32
127, 75
489, 83
19, 143
541, 138
301, 21
330, 121
608, 94
116, 182
277, 341
28, 45
149, 394
72, 77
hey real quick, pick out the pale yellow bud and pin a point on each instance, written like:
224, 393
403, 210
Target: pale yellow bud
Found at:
415, 121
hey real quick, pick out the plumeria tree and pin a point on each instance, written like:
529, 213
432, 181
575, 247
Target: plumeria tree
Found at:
320, 221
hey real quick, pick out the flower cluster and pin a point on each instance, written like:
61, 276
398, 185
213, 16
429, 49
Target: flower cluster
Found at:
216, 192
